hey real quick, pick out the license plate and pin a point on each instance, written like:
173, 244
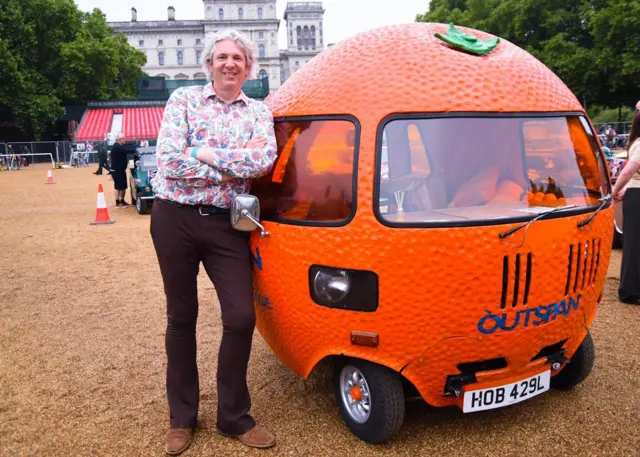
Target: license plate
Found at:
509, 394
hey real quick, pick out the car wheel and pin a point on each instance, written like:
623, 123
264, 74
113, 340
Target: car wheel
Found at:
578, 368
140, 205
370, 399
617, 237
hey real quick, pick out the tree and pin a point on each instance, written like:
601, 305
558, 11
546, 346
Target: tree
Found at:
53, 53
592, 45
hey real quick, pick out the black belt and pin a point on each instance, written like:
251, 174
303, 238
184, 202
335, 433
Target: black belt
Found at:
203, 210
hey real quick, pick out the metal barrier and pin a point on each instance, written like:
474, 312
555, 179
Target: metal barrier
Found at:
36, 152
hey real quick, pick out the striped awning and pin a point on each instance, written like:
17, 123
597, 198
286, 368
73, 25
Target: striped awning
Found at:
95, 124
142, 123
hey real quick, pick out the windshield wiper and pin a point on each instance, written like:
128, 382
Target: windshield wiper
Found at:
605, 200
503, 235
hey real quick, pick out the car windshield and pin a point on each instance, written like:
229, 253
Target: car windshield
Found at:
148, 160
466, 169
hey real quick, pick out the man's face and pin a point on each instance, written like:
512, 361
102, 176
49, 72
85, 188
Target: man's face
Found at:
228, 66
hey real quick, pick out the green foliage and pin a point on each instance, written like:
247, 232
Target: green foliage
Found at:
592, 45
610, 115
51, 53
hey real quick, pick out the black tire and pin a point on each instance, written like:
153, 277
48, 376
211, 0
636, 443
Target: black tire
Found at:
387, 406
141, 206
617, 238
578, 368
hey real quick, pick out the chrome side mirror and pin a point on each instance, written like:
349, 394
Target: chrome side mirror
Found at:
245, 214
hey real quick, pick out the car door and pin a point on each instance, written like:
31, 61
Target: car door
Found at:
306, 202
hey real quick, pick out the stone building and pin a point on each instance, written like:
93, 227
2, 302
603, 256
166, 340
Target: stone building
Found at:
174, 47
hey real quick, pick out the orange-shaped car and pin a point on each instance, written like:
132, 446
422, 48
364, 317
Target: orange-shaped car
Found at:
438, 222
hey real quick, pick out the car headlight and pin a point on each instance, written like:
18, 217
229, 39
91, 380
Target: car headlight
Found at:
342, 288
136, 181
331, 286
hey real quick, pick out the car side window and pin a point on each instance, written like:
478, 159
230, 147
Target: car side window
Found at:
313, 177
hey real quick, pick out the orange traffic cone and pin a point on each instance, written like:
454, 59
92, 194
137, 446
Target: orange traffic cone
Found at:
102, 214
49, 177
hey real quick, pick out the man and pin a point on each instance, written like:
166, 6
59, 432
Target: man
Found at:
611, 135
102, 158
119, 169
212, 141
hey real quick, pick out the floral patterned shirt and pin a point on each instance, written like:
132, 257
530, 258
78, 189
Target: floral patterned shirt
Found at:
196, 116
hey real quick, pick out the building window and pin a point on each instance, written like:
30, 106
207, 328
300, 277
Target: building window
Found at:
198, 42
141, 43
179, 42
299, 35
221, 14
305, 37
313, 37
262, 74
261, 35
160, 43
240, 13
259, 13
161, 58
297, 63
180, 58
261, 52
198, 57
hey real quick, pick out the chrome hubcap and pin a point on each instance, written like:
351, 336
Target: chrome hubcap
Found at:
356, 396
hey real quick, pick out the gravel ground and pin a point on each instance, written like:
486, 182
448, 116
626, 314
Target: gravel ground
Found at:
82, 355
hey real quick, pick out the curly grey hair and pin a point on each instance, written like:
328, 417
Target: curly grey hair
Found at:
241, 40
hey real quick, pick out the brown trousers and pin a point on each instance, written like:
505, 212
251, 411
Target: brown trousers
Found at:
182, 239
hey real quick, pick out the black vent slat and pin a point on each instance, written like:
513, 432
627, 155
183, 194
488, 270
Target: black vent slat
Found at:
505, 281
527, 283
516, 284
566, 289
595, 273
578, 262
585, 263
592, 263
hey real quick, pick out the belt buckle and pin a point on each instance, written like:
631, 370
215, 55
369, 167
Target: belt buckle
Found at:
201, 213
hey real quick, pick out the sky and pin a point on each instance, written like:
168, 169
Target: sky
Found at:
342, 18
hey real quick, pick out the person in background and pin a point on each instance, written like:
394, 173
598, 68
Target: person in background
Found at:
627, 188
119, 163
102, 158
611, 135
212, 142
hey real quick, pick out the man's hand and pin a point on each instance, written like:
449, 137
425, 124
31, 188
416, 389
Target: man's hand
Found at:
256, 143
619, 196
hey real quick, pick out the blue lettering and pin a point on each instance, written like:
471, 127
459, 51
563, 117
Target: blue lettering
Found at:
262, 301
515, 323
497, 323
542, 314
257, 259
574, 303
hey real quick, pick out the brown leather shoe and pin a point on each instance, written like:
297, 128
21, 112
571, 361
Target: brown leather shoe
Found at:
258, 437
177, 440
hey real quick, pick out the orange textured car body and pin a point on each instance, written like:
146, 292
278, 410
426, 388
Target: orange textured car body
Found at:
435, 284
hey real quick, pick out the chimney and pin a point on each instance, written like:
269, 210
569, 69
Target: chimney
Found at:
171, 11
134, 15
